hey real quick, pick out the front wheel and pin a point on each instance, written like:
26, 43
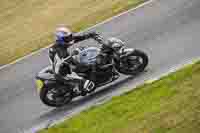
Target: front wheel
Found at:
55, 96
133, 63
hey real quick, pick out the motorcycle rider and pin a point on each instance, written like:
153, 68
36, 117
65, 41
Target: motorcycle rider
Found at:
60, 50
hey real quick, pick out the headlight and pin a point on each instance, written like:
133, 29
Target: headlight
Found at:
39, 85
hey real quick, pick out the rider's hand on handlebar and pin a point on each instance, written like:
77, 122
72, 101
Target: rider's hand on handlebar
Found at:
93, 34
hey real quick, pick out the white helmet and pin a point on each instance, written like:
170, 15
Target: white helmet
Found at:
63, 35
66, 31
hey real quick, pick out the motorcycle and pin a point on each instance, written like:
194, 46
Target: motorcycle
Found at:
100, 65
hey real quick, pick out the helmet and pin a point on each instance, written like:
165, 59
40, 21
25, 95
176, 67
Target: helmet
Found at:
63, 35
115, 43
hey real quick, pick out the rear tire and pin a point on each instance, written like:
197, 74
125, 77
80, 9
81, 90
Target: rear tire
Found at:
55, 101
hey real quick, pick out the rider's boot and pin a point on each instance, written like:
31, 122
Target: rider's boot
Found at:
88, 86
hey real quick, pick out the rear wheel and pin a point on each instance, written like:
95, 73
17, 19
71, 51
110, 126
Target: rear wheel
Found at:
56, 96
134, 63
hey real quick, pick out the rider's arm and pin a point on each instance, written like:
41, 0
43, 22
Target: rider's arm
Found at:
78, 38
53, 57
52, 54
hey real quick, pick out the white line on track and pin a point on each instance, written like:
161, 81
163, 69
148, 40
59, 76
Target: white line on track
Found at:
103, 22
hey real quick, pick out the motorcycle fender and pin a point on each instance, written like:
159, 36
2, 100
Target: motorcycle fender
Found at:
49, 82
127, 52
39, 85
44, 84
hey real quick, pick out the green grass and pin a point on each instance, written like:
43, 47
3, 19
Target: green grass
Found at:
28, 25
170, 105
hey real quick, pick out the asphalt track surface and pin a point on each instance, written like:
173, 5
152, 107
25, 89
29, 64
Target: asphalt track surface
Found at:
167, 30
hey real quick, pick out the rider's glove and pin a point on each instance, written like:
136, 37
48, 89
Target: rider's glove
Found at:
92, 34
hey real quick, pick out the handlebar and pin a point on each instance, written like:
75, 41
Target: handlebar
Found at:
101, 40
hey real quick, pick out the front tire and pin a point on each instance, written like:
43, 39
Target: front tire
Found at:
52, 96
127, 66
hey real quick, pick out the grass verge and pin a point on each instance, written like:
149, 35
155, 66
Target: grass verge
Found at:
170, 105
27, 25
